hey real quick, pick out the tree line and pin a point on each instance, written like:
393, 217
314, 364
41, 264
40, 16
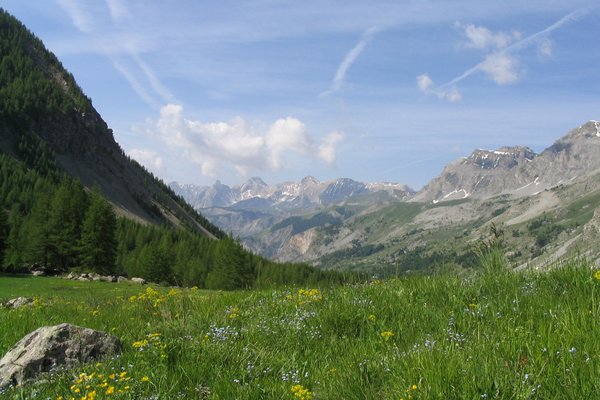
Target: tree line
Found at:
53, 221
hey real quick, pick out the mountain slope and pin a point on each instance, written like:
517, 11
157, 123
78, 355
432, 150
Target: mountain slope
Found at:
41, 107
518, 171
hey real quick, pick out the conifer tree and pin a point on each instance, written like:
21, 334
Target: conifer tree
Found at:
98, 246
66, 217
3, 234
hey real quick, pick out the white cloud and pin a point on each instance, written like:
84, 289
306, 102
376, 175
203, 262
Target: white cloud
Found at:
79, 17
427, 86
150, 159
349, 59
328, 149
502, 68
546, 49
158, 87
287, 134
424, 82
151, 90
216, 146
481, 37
136, 85
118, 11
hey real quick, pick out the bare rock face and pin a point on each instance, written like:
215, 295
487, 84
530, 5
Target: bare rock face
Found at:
52, 347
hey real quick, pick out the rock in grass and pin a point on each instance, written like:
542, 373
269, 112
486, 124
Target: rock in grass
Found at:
18, 302
52, 347
140, 281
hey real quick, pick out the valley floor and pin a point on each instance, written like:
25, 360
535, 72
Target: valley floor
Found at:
495, 334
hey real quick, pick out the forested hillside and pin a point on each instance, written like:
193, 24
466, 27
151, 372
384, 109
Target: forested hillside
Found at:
70, 198
40, 102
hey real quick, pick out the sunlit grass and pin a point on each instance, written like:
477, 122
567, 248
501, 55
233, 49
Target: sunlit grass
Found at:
492, 335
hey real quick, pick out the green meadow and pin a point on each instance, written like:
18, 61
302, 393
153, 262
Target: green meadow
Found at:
491, 334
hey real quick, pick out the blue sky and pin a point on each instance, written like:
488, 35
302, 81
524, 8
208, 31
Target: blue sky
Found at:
374, 91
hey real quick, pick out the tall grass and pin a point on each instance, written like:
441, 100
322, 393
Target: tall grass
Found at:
491, 335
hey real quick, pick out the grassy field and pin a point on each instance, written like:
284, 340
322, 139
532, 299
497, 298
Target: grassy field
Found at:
486, 336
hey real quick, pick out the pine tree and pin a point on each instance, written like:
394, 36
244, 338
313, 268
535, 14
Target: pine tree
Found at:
66, 218
98, 246
36, 229
3, 234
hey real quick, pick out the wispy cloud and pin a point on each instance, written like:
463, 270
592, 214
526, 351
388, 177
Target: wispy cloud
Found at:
136, 85
427, 86
150, 159
481, 37
118, 10
155, 83
349, 59
80, 18
219, 146
521, 44
501, 64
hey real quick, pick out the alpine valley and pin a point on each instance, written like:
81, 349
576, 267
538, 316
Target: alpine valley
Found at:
543, 203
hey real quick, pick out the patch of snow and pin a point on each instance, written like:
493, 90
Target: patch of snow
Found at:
523, 187
501, 153
597, 125
465, 193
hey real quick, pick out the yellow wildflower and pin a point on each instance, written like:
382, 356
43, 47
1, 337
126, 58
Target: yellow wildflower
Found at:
140, 343
145, 378
371, 317
110, 390
597, 275
386, 335
301, 393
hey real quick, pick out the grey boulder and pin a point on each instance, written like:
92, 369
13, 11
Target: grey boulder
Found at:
51, 347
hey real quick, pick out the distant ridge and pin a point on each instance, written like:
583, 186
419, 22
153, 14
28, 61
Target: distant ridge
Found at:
308, 193
518, 171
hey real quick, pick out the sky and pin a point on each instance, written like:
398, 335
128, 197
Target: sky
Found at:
199, 91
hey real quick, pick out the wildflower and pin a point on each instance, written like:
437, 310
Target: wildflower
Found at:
233, 312
472, 306
597, 275
372, 318
145, 378
110, 390
386, 335
140, 344
302, 393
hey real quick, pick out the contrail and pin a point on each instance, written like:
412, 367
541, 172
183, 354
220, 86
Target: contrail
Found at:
349, 59
524, 42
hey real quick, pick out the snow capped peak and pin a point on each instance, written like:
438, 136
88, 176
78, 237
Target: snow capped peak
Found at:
597, 125
309, 180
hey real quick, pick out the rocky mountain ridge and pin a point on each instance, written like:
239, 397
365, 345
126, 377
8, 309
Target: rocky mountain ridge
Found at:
305, 194
517, 171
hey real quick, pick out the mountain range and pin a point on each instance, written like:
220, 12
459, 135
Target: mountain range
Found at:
307, 194
546, 203
347, 224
